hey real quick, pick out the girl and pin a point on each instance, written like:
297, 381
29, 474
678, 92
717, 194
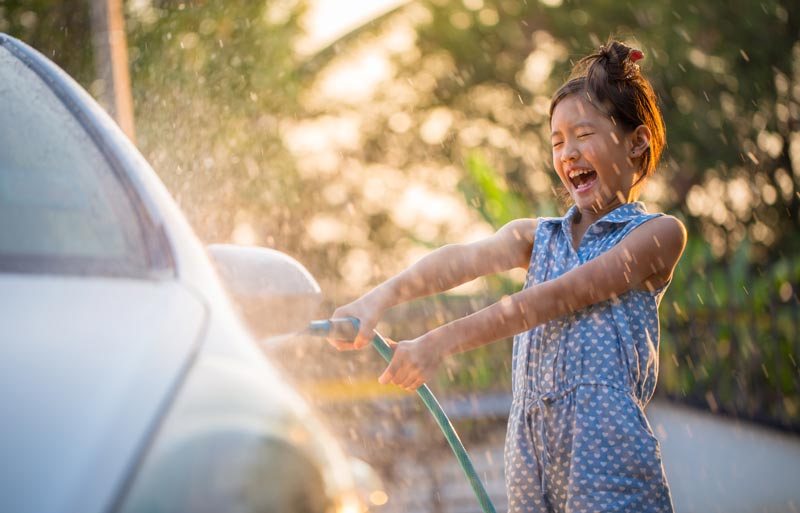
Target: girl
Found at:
586, 323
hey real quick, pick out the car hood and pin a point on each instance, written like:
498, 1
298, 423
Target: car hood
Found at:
88, 365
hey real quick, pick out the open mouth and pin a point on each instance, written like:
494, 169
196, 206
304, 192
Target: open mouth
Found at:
582, 179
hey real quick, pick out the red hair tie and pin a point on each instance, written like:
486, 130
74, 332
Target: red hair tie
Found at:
635, 55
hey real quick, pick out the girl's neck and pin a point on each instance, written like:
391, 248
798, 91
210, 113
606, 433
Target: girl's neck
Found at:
578, 229
587, 217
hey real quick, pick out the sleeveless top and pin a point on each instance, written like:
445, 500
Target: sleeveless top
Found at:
580, 383
612, 343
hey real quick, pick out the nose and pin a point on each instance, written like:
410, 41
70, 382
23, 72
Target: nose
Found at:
569, 152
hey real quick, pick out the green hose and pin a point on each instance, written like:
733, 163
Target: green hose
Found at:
345, 329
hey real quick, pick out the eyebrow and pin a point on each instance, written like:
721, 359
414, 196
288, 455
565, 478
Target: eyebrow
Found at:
583, 124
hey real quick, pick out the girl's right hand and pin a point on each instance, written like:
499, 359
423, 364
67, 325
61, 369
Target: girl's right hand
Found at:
368, 310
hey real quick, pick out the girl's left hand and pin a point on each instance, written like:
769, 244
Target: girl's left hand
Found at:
413, 364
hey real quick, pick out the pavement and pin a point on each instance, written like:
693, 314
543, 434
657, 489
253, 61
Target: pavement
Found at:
713, 463
718, 464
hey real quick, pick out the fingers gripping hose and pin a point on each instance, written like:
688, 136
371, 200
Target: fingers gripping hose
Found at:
346, 329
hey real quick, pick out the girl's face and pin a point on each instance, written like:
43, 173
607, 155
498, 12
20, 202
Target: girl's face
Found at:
593, 156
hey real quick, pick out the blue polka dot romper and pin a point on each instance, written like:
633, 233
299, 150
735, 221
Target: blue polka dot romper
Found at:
577, 439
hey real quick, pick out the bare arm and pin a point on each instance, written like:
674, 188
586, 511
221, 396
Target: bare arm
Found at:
643, 259
455, 264
443, 269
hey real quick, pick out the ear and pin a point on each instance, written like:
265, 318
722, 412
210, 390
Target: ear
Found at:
639, 141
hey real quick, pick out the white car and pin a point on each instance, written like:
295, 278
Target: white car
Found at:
128, 381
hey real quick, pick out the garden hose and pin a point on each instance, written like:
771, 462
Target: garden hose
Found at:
346, 329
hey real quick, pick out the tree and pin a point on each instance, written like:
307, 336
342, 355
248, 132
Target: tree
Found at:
466, 98
59, 29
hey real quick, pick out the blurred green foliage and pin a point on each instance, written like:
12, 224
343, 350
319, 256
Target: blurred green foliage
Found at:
60, 30
486, 191
729, 336
462, 111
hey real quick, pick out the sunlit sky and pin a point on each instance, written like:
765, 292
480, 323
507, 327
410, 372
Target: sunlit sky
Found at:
328, 20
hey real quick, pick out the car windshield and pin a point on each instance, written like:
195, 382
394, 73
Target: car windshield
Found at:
62, 209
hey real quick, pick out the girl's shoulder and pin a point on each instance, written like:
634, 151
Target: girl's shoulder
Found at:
665, 231
524, 227
518, 234
635, 216
665, 224
512, 244
659, 242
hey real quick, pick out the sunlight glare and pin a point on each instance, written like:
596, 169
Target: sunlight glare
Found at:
355, 80
244, 234
437, 125
322, 133
539, 63
328, 20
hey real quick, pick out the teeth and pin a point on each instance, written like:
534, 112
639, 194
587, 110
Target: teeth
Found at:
579, 172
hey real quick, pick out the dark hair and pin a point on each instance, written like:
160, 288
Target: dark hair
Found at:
611, 80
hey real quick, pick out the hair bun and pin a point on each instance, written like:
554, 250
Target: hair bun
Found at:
619, 60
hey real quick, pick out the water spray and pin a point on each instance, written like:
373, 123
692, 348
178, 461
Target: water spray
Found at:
346, 329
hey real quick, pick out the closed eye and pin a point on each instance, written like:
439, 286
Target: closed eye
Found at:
580, 136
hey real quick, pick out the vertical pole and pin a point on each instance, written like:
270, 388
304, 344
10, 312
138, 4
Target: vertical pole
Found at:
111, 62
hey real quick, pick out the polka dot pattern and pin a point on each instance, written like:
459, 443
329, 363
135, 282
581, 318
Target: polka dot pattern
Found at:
578, 439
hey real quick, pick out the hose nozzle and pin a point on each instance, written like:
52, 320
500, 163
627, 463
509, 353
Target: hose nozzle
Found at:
345, 328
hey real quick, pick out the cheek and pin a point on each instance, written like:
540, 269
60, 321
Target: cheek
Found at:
598, 148
613, 150
558, 166
556, 161
606, 154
